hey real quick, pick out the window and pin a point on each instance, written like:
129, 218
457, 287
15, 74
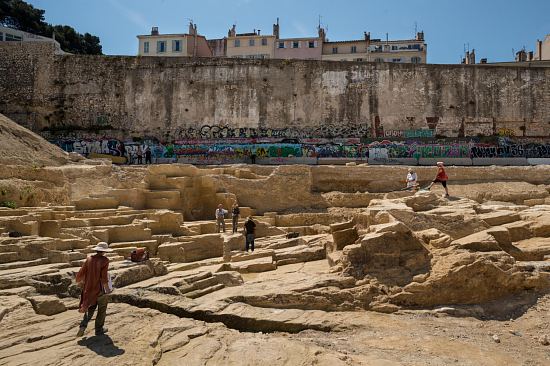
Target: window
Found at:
396, 60
334, 49
237, 43
394, 48
353, 49
378, 59
295, 44
12, 37
358, 59
416, 60
311, 44
264, 41
1, 36
161, 46
281, 45
176, 46
145, 47
251, 42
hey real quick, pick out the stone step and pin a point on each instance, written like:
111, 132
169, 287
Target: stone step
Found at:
204, 291
163, 203
23, 264
198, 285
150, 245
97, 203
238, 256
169, 194
8, 257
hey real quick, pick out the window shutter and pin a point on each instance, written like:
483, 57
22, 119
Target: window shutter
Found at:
315, 44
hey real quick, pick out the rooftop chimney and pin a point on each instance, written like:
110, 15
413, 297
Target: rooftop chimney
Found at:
155, 31
192, 28
367, 36
483, 61
276, 29
233, 31
258, 32
420, 36
539, 49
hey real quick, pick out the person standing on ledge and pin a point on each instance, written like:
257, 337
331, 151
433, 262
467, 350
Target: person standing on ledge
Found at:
250, 228
95, 284
235, 212
220, 218
441, 177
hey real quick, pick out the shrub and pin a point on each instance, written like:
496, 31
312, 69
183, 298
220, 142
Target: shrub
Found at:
8, 204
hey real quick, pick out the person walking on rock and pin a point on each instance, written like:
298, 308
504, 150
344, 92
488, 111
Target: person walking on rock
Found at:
249, 228
441, 177
95, 284
235, 212
220, 218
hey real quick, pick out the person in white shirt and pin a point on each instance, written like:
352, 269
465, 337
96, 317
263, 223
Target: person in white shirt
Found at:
411, 180
220, 218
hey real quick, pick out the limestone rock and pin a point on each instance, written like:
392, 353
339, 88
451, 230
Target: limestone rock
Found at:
47, 305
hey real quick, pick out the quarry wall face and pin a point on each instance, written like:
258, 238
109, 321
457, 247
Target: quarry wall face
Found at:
218, 110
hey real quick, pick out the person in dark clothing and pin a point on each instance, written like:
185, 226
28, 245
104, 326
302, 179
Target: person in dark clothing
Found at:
235, 211
253, 158
147, 155
250, 227
139, 155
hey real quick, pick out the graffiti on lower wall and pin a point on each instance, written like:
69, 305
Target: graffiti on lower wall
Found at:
242, 150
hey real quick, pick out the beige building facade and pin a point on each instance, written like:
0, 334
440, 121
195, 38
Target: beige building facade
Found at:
250, 45
174, 45
376, 50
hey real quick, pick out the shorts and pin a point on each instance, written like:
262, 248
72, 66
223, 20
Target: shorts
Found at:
443, 182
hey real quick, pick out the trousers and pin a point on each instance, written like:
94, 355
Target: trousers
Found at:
235, 222
101, 306
250, 242
220, 222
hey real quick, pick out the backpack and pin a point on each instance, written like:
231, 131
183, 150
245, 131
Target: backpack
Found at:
139, 255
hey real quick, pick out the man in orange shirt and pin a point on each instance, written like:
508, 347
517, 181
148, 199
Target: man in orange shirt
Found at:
94, 281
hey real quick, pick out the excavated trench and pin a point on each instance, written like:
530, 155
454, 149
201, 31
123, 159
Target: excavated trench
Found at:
232, 321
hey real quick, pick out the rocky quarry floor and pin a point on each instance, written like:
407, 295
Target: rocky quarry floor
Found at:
376, 277
348, 270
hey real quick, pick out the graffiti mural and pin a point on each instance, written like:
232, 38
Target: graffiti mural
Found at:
242, 149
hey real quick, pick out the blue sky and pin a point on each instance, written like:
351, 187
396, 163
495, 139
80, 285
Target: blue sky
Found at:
492, 27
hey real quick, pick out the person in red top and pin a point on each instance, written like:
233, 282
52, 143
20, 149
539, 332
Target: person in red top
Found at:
94, 281
441, 177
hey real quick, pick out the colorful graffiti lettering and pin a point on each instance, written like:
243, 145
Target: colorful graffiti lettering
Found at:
241, 151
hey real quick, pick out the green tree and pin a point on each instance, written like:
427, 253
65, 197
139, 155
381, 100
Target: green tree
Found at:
20, 15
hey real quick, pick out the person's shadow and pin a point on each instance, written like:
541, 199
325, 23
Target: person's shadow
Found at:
102, 345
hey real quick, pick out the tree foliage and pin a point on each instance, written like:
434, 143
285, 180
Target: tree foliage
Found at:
18, 14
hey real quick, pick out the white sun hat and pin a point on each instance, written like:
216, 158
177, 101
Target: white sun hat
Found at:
102, 247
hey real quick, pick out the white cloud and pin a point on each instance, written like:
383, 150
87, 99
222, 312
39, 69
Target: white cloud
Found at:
130, 14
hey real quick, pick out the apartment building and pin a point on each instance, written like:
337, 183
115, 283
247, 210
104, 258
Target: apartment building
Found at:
250, 45
303, 48
377, 50
189, 44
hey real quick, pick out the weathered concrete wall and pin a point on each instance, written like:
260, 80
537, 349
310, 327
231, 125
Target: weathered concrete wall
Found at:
210, 111
180, 98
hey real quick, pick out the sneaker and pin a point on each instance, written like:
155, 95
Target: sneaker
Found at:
101, 331
80, 332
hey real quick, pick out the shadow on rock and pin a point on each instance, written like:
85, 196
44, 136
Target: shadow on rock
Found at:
103, 345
